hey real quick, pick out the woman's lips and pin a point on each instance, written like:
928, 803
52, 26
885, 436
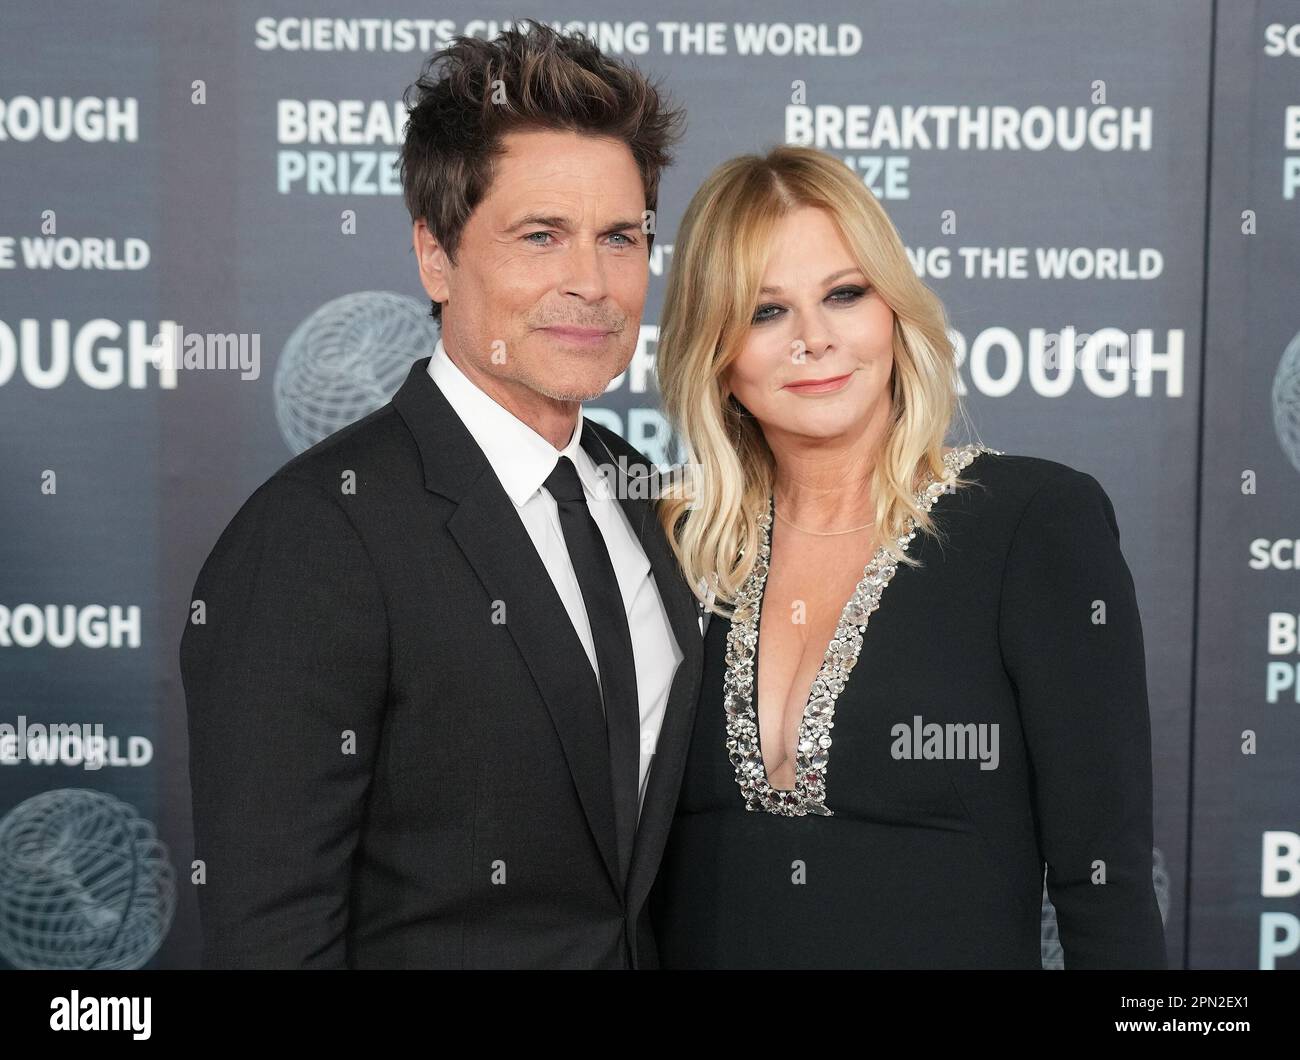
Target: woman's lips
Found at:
820, 386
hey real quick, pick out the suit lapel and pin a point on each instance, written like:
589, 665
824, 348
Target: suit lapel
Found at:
487, 529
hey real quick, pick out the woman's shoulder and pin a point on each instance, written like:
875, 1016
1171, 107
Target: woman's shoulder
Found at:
1026, 493
1014, 473
1012, 485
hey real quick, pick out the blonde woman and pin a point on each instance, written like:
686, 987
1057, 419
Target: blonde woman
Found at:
925, 684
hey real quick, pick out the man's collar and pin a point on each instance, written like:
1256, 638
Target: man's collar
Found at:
521, 458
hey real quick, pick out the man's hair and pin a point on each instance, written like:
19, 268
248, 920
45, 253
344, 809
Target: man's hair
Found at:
473, 92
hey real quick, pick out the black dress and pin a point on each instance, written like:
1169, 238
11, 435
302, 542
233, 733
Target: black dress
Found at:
994, 725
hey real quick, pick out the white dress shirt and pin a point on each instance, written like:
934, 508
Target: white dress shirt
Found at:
522, 460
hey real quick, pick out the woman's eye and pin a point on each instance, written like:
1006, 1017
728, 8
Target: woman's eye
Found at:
852, 293
840, 296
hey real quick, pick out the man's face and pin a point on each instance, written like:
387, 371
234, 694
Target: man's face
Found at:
556, 244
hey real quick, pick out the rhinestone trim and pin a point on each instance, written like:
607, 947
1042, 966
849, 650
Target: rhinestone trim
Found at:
812, 753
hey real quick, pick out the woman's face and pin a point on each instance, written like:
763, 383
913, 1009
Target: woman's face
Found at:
818, 358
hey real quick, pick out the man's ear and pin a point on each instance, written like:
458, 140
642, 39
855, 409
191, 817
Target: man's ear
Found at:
434, 265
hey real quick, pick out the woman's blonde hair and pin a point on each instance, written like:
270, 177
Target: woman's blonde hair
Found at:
721, 252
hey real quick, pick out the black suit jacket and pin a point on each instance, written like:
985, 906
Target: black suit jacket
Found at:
397, 748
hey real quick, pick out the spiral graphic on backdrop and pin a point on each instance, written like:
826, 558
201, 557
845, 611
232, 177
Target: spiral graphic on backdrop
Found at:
1286, 401
1054, 956
345, 360
84, 883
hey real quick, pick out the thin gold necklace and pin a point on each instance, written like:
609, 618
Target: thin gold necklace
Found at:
822, 533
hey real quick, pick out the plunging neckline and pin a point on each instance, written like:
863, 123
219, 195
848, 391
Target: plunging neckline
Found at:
758, 660
740, 683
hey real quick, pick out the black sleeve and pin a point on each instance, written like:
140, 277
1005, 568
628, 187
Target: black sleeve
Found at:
292, 656
1082, 694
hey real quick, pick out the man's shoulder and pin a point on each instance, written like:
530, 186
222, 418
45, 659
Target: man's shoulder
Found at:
378, 444
308, 496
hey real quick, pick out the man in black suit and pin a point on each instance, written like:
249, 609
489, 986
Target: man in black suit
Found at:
443, 676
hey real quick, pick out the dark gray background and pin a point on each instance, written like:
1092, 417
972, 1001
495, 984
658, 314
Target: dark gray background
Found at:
149, 477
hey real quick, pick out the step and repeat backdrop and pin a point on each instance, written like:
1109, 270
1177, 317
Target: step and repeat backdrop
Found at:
1104, 195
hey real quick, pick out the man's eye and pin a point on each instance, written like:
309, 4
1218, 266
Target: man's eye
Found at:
531, 234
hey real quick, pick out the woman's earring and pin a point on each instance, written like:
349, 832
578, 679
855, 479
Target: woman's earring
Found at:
740, 412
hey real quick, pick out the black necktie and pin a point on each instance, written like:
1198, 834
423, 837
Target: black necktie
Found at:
613, 642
